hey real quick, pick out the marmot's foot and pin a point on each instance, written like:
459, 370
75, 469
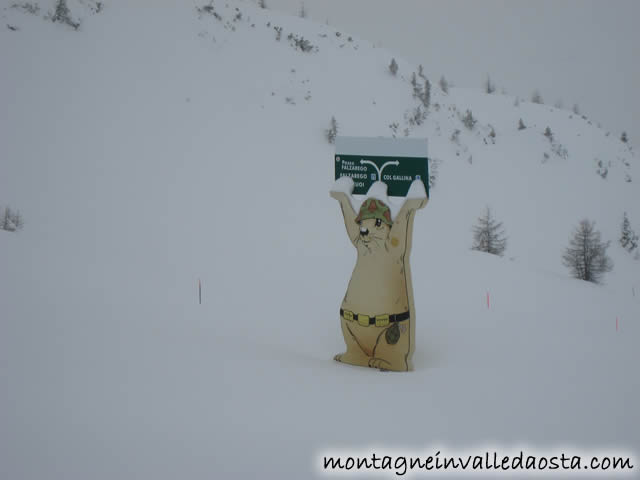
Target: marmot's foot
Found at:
379, 363
352, 359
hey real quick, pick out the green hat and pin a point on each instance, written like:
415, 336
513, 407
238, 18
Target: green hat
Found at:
373, 208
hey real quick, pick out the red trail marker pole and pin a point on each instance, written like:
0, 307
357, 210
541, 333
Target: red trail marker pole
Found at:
488, 304
199, 292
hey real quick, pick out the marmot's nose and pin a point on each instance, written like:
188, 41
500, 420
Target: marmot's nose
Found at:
364, 232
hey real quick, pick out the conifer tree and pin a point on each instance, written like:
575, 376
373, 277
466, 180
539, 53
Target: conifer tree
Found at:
468, 120
586, 256
393, 67
488, 235
444, 85
10, 220
536, 97
426, 94
628, 238
489, 87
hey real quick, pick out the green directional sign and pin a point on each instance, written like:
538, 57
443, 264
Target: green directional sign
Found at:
396, 162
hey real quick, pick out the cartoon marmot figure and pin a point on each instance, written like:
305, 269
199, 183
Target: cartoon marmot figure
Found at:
377, 312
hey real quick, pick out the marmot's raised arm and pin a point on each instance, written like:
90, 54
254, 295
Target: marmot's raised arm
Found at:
403, 223
339, 192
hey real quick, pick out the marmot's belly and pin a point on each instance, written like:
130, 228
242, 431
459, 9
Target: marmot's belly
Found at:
377, 291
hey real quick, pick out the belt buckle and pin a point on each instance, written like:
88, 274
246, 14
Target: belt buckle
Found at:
363, 320
382, 320
348, 315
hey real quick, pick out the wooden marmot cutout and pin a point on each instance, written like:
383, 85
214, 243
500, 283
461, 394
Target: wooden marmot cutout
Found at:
377, 312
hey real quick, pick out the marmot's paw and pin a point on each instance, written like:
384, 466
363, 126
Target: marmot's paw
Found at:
383, 365
352, 358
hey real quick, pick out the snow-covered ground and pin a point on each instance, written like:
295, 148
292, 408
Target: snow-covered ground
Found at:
157, 146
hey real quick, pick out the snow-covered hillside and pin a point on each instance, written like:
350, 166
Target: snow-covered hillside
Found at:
153, 147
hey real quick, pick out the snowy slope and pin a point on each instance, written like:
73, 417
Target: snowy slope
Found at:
155, 147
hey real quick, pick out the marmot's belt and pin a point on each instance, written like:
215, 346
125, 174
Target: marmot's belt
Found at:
378, 320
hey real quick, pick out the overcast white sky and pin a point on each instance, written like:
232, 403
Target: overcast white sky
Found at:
577, 51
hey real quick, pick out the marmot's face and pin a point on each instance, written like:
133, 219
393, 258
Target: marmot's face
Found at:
373, 233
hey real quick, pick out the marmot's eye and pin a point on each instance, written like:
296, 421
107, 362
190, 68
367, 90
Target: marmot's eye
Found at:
378, 222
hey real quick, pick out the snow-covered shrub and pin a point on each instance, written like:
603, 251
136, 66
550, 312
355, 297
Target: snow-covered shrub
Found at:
11, 221
209, 10
206, 8
331, 133
62, 14
433, 171
601, 168
28, 7
468, 120
416, 116
301, 43
560, 150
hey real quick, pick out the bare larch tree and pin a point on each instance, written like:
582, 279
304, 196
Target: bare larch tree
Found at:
488, 235
586, 256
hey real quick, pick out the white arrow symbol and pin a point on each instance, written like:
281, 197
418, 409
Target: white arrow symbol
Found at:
379, 170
